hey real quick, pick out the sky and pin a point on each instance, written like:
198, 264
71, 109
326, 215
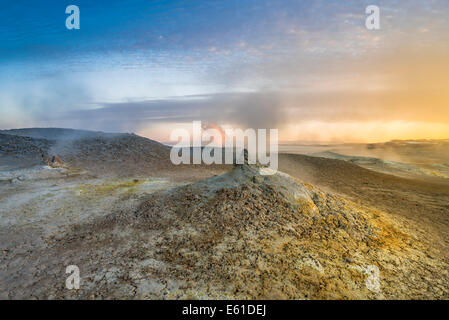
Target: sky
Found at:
308, 68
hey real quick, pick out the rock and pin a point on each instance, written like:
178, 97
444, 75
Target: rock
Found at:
55, 162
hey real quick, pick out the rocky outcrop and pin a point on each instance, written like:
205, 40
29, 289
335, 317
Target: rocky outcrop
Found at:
55, 162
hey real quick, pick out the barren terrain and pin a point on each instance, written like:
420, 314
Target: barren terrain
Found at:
139, 227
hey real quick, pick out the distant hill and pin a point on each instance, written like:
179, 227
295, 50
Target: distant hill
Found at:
99, 153
94, 151
58, 133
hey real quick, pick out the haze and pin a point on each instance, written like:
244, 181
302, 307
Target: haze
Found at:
309, 68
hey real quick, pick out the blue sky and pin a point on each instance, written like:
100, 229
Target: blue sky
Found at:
37, 29
144, 66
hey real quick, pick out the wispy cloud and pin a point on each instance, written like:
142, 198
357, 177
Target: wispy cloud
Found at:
253, 64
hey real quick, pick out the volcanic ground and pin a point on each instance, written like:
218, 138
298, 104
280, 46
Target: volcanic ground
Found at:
139, 227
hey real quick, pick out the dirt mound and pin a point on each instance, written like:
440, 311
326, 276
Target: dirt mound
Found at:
272, 237
244, 235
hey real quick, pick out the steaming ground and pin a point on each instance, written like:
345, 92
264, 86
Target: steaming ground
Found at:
139, 227
418, 159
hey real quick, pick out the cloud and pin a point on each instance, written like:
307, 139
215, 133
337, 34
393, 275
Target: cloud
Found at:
29, 102
247, 110
315, 65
